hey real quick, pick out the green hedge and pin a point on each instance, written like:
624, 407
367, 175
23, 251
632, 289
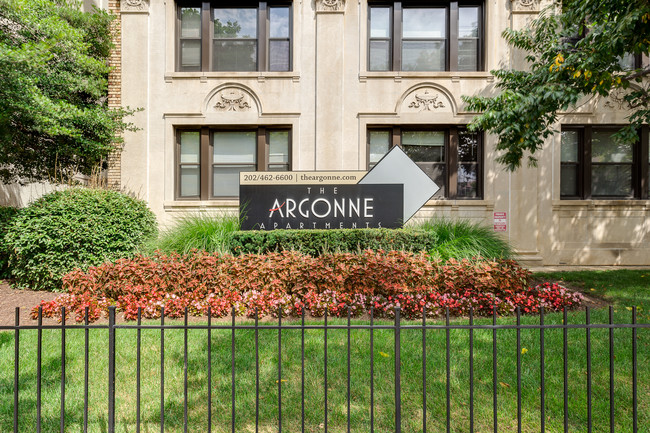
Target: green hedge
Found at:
317, 242
7, 214
441, 238
75, 228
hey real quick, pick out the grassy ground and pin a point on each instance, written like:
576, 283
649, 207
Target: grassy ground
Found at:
625, 287
621, 288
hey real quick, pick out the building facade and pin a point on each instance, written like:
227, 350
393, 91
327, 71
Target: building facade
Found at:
331, 85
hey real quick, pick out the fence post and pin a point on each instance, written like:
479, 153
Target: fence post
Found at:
398, 372
16, 366
62, 419
111, 369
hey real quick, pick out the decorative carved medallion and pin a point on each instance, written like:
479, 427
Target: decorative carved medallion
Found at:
330, 5
135, 5
525, 4
232, 100
426, 101
616, 100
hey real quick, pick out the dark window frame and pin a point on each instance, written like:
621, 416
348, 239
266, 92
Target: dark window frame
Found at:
178, 165
207, 33
451, 152
391, 33
579, 164
451, 40
639, 165
206, 162
179, 40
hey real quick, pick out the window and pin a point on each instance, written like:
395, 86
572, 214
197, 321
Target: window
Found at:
248, 37
595, 165
418, 36
628, 62
209, 160
452, 157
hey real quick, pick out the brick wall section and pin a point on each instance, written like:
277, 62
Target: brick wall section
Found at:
115, 91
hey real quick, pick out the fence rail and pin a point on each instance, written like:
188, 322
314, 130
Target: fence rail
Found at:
397, 327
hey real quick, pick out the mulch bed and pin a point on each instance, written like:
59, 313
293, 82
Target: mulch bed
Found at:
25, 299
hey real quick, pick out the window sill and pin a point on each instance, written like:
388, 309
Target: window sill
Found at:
399, 75
258, 75
460, 202
601, 203
198, 205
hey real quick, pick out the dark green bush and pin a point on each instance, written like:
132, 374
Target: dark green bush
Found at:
7, 214
441, 238
75, 228
317, 242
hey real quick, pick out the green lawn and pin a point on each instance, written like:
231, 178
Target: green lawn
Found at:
411, 380
622, 288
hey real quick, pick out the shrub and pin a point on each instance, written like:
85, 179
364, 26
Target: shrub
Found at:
7, 214
197, 232
75, 228
461, 239
445, 239
285, 283
317, 242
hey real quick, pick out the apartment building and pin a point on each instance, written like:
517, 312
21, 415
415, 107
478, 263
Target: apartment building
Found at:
330, 85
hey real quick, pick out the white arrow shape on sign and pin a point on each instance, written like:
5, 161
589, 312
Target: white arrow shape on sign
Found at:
397, 168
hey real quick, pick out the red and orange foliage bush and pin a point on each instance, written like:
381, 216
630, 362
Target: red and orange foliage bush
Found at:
284, 283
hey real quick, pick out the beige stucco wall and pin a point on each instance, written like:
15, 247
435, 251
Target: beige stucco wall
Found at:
16, 195
329, 99
89, 5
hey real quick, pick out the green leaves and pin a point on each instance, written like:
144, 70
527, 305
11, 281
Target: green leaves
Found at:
7, 215
54, 118
75, 228
318, 242
572, 53
197, 232
461, 239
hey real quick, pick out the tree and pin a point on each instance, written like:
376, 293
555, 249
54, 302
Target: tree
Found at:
54, 115
573, 51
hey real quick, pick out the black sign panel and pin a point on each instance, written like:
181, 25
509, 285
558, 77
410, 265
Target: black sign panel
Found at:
269, 207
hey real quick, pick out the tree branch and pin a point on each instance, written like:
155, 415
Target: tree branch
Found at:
637, 74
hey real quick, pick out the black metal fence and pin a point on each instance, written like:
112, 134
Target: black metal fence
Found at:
397, 327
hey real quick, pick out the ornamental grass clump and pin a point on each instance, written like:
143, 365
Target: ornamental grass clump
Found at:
211, 233
460, 239
74, 228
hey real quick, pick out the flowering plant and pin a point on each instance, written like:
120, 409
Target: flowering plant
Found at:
285, 283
